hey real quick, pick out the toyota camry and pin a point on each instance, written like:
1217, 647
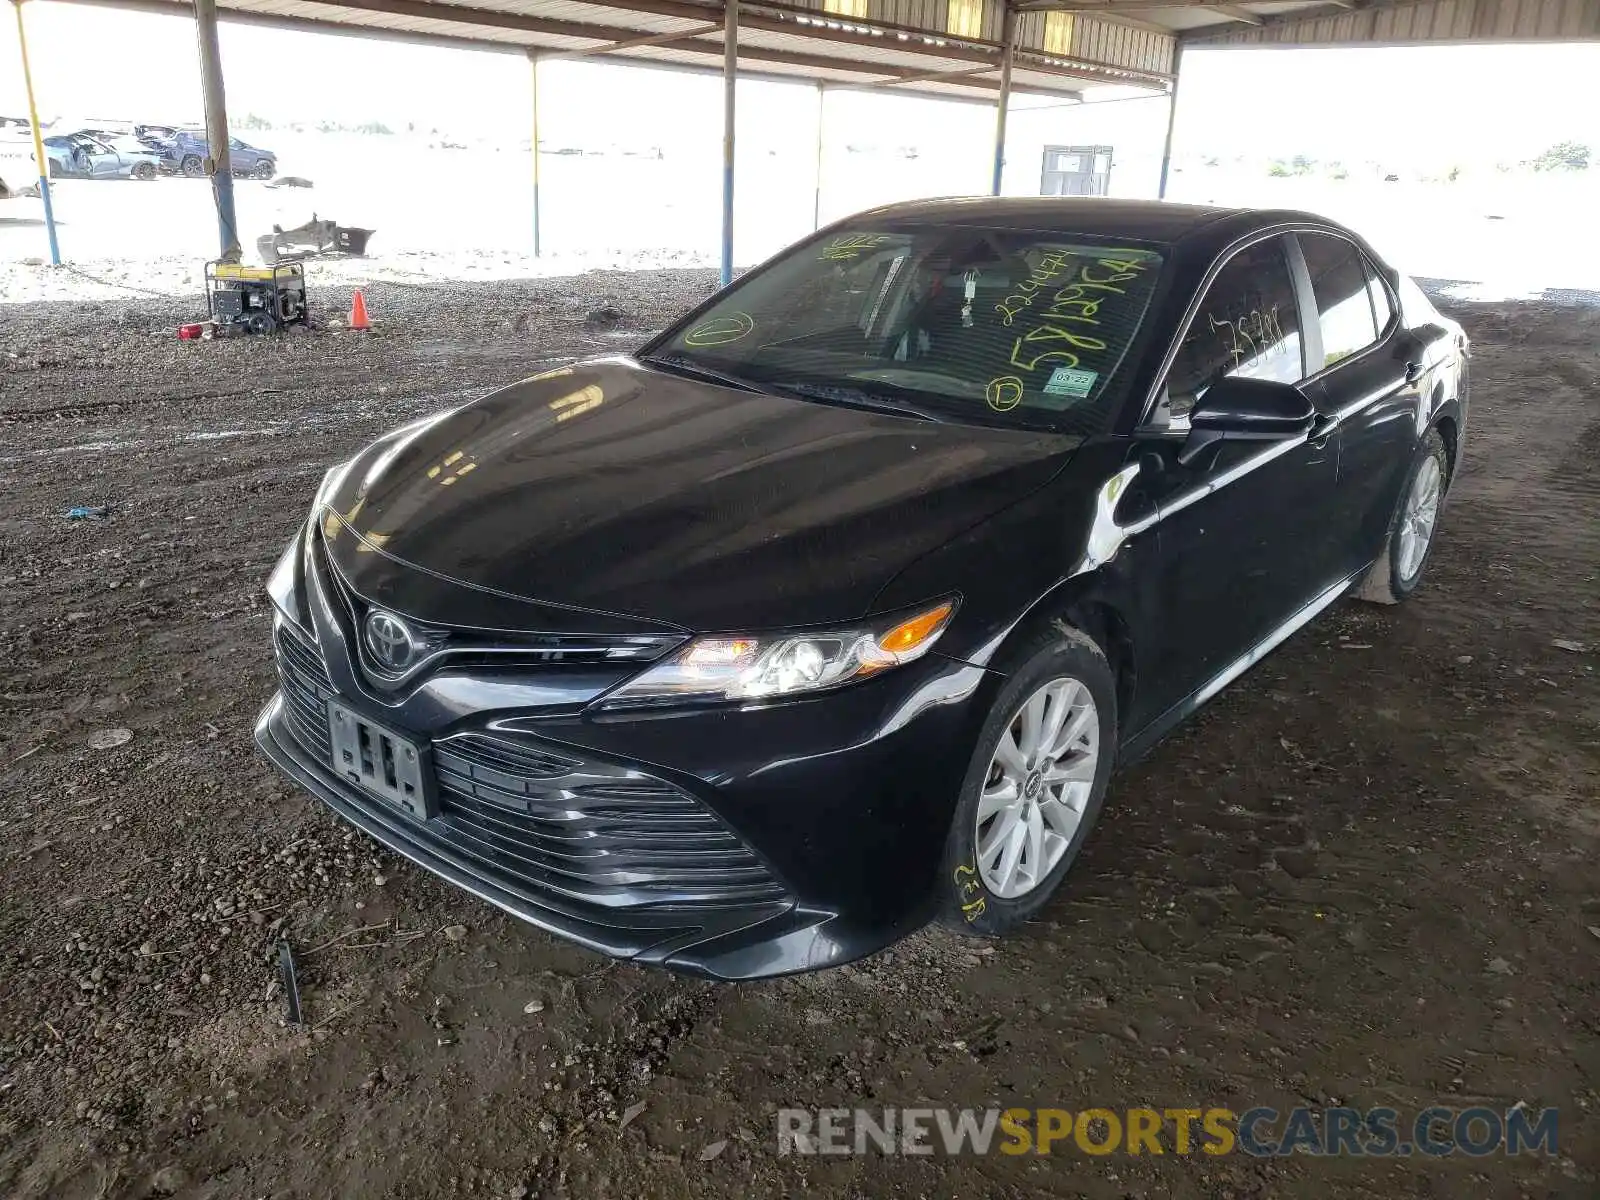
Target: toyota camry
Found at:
830, 611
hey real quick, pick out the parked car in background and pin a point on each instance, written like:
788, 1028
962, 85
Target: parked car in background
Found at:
184, 152
84, 155
832, 608
18, 174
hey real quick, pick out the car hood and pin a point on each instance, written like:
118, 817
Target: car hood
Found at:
613, 489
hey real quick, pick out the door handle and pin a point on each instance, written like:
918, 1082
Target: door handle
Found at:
1413, 371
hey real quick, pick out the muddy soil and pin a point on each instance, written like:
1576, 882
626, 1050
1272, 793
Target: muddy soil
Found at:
1365, 875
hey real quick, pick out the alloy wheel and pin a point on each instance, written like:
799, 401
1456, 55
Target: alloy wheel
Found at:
1418, 517
1038, 784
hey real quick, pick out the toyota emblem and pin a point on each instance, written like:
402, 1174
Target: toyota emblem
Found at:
389, 641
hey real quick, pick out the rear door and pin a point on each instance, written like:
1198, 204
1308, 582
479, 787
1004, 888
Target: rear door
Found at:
1241, 533
1364, 386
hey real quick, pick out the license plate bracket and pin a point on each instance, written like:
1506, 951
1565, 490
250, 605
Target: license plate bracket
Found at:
378, 760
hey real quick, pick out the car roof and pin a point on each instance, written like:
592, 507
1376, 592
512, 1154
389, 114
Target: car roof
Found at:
1200, 228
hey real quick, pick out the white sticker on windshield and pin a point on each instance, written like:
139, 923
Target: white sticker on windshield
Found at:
1070, 381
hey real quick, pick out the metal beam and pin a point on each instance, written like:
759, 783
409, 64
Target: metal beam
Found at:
816, 202
634, 43
1006, 56
1237, 13
730, 78
41, 161
1172, 120
218, 164
935, 76
533, 67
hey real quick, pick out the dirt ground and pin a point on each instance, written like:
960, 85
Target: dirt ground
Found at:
1365, 875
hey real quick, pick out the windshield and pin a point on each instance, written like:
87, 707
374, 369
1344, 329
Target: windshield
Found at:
953, 323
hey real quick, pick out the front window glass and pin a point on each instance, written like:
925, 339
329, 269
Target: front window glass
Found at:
1248, 324
958, 323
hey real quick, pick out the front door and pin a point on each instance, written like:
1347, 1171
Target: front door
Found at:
1242, 531
99, 159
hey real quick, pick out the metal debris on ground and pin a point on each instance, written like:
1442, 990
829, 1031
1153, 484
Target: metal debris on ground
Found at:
87, 512
109, 739
291, 986
315, 239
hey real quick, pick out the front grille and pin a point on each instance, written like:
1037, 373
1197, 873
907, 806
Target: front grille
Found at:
598, 831
306, 689
460, 647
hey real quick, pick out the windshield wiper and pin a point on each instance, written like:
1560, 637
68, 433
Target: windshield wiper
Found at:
683, 365
856, 397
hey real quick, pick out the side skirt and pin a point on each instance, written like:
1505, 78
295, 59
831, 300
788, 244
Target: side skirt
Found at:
1146, 739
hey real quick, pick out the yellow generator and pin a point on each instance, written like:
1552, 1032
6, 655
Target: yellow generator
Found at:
256, 299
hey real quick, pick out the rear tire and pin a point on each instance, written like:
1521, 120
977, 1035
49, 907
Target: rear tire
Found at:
1399, 568
993, 877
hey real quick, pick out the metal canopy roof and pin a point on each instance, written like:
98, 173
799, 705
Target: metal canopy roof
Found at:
946, 48
1348, 22
896, 45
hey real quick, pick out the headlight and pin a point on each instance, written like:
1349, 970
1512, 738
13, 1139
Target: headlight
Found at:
760, 666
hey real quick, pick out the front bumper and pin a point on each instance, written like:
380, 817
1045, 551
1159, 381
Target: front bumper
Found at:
824, 819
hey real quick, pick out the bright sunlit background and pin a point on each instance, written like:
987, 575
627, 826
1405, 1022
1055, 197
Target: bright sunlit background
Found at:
1435, 152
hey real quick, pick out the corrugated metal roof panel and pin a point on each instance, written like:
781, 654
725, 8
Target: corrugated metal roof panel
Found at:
1430, 21
905, 34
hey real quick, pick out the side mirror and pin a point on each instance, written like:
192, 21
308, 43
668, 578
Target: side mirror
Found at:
1237, 409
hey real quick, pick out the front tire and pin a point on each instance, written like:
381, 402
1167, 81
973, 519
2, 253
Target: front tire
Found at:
1398, 571
144, 171
1034, 787
192, 166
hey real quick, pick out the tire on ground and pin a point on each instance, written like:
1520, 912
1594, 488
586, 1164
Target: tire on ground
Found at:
966, 903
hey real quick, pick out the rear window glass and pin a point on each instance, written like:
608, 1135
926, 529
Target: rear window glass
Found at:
967, 323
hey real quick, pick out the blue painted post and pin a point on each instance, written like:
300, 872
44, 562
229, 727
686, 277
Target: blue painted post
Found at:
220, 164
730, 70
38, 143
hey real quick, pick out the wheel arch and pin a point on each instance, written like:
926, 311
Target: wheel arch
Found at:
1083, 604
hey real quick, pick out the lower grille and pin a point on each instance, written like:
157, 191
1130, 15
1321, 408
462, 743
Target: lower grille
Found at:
527, 815
306, 690
604, 832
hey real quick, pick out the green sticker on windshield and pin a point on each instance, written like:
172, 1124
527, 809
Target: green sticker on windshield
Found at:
1070, 381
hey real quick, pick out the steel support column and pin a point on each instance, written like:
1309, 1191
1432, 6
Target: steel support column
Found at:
816, 203
730, 71
533, 63
1172, 120
219, 164
1008, 53
40, 160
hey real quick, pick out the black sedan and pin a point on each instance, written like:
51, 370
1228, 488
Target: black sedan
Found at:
831, 610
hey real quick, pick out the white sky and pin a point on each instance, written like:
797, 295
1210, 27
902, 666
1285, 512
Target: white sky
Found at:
1471, 103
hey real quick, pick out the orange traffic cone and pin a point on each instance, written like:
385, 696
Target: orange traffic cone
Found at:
358, 311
